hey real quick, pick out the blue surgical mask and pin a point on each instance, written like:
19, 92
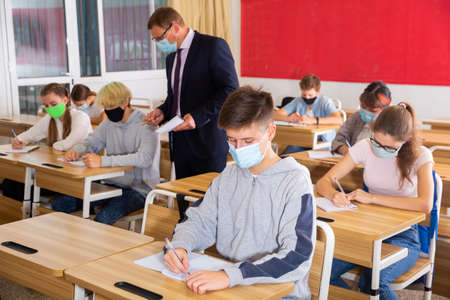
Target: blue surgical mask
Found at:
367, 116
383, 153
248, 156
83, 107
166, 46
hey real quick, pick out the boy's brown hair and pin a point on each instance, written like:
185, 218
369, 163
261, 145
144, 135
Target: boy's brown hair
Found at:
246, 106
310, 81
164, 17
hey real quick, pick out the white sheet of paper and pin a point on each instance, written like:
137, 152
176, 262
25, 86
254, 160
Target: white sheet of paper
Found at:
328, 206
284, 123
9, 149
169, 126
78, 163
323, 154
196, 262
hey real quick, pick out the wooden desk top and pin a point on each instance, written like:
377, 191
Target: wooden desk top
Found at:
46, 154
183, 186
307, 128
22, 120
434, 137
440, 122
100, 276
371, 222
64, 241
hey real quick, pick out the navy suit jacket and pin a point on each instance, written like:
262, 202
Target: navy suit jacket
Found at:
209, 76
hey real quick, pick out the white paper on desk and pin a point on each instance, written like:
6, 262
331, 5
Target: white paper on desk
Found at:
284, 123
197, 262
323, 154
78, 163
328, 206
9, 149
169, 126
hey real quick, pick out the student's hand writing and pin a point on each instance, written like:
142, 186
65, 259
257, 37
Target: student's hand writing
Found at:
188, 124
307, 120
17, 144
71, 155
361, 196
203, 281
294, 117
340, 199
342, 150
172, 262
154, 117
92, 160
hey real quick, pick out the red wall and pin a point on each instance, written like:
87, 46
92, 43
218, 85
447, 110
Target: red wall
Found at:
397, 41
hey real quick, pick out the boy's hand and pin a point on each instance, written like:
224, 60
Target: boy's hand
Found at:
92, 160
340, 199
294, 117
308, 120
71, 155
17, 144
172, 262
203, 281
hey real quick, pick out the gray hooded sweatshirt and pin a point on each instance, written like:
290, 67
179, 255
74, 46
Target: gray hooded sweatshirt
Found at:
264, 223
127, 144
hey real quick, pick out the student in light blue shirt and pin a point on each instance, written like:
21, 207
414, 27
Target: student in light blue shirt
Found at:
311, 108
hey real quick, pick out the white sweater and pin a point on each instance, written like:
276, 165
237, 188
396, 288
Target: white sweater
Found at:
81, 127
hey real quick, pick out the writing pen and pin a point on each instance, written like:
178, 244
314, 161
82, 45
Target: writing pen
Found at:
347, 143
339, 185
170, 246
12, 132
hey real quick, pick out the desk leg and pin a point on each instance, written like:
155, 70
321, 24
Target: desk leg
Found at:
78, 293
376, 269
87, 197
36, 200
26, 205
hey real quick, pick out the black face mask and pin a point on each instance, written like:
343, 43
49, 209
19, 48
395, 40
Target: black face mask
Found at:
115, 115
309, 101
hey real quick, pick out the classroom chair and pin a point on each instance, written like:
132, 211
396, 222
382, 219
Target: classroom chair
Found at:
424, 265
338, 105
441, 154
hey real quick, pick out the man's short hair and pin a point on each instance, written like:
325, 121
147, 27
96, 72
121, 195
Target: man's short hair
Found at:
246, 106
163, 17
310, 81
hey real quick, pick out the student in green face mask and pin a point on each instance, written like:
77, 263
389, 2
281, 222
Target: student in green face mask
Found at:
62, 126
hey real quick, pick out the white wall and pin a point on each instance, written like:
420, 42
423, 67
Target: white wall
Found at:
429, 101
5, 96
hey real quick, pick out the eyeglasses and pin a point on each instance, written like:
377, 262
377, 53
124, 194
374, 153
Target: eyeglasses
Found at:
387, 148
161, 37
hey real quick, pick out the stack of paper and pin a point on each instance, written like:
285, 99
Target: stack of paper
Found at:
169, 126
197, 262
9, 149
78, 163
328, 205
323, 154
284, 123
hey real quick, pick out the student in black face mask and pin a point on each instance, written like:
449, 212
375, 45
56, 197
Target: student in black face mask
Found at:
311, 108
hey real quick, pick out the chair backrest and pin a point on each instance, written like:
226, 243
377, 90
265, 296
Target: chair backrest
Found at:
286, 101
441, 154
161, 222
319, 276
165, 164
338, 105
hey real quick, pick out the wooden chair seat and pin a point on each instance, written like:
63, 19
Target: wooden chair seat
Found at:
10, 210
97, 188
338, 293
418, 267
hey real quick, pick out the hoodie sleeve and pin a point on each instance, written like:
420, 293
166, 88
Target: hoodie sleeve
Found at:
95, 141
143, 157
198, 230
296, 237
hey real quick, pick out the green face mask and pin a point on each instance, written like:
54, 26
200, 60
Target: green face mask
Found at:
57, 111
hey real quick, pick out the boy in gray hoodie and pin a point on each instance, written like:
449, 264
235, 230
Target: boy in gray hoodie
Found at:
127, 142
260, 212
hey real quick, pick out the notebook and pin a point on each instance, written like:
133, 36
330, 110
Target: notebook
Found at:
78, 163
169, 126
323, 154
9, 149
328, 205
197, 262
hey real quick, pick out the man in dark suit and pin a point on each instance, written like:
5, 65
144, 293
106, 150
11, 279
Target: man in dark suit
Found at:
200, 75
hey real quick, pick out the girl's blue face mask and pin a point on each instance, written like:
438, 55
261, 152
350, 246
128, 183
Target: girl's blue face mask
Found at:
83, 107
166, 46
248, 156
381, 152
367, 116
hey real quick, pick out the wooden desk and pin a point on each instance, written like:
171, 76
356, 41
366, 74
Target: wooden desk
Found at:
438, 124
303, 136
359, 235
350, 111
444, 171
186, 185
319, 167
19, 123
432, 138
100, 276
69, 180
62, 241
